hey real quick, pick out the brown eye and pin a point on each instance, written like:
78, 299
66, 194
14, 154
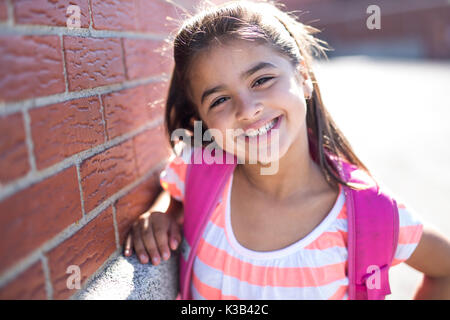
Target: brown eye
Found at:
265, 80
258, 83
215, 103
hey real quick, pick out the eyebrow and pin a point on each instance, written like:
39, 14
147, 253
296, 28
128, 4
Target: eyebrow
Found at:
245, 74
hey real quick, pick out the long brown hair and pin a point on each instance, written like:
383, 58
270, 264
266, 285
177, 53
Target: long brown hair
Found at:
262, 22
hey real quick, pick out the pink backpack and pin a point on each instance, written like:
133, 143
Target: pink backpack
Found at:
372, 225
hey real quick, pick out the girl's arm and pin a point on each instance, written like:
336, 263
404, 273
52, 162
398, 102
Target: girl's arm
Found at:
165, 203
432, 258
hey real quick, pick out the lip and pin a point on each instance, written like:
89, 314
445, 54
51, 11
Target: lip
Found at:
268, 133
260, 123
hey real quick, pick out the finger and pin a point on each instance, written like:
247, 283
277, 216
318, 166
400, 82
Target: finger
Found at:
148, 239
160, 224
139, 245
174, 235
127, 246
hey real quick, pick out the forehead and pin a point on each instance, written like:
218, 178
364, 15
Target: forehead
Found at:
224, 63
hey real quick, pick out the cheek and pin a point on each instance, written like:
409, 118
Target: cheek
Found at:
218, 130
292, 98
296, 108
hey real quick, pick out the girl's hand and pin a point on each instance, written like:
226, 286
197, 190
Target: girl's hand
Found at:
150, 236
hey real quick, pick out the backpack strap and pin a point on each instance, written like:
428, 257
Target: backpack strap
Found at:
372, 224
203, 186
372, 236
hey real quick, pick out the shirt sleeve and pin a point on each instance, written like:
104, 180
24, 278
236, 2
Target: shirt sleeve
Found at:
411, 227
172, 178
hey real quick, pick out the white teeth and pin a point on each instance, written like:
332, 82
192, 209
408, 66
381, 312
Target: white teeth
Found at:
262, 130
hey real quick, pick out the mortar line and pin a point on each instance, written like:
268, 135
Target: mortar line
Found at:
47, 275
17, 29
66, 80
29, 140
83, 213
116, 227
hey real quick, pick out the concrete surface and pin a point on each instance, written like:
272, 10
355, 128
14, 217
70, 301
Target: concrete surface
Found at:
125, 278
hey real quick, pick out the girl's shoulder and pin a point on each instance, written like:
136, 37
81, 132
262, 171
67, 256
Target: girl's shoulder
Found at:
173, 177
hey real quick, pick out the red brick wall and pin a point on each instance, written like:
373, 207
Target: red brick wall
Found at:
81, 134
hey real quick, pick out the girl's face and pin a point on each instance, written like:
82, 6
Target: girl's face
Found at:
232, 96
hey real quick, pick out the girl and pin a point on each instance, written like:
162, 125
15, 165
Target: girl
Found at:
247, 66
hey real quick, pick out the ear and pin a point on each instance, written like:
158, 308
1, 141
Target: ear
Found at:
308, 88
305, 81
193, 119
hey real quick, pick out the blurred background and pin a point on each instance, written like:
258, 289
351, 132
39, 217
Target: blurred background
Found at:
82, 141
388, 89
407, 28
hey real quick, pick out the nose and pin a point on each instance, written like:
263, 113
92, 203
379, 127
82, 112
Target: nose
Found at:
248, 109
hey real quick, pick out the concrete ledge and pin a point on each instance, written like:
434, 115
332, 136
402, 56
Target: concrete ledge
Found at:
125, 278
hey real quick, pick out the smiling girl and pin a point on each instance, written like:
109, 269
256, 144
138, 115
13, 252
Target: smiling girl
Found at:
247, 66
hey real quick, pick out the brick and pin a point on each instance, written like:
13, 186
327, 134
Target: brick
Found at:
31, 67
148, 21
114, 15
49, 12
93, 62
13, 149
129, 109
3, 10
35, 215
29, 285
64, 129
156, 94
145, 58
135, 15
151, 147
106, 173
88, 249
137, 201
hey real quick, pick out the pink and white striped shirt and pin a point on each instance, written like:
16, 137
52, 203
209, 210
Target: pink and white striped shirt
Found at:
313, 268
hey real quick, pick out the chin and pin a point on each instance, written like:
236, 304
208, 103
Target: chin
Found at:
272, 155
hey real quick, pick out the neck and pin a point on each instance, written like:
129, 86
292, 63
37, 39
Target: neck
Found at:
297, 174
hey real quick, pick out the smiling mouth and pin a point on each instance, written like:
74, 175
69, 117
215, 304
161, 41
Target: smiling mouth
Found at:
251, 133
